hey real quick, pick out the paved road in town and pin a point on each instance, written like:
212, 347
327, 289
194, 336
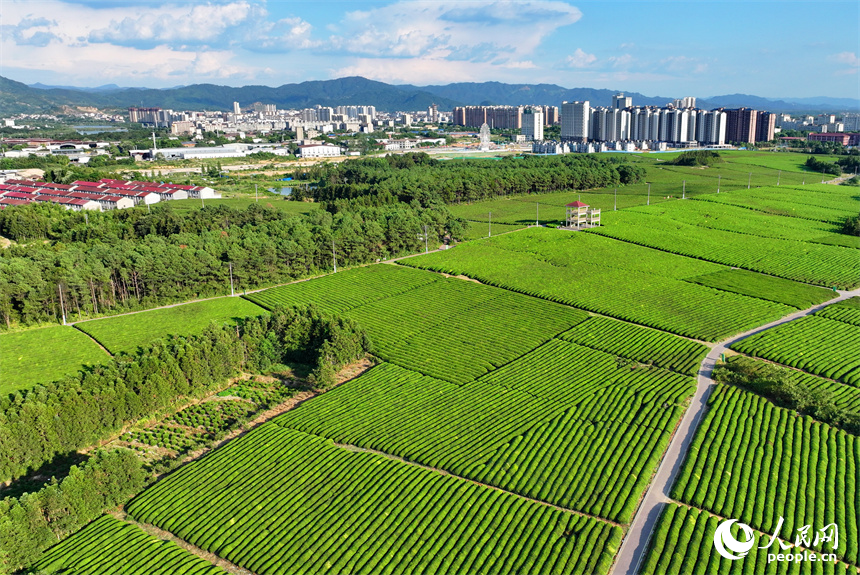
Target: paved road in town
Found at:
636, 541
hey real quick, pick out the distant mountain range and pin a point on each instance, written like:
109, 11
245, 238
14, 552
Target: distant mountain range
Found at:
16, 97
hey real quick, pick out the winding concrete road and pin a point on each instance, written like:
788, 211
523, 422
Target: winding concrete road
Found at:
636, 541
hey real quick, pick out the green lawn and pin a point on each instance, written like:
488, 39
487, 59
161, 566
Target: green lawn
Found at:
43, 355
126, 332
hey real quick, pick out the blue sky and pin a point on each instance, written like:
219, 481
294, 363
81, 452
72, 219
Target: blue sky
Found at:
768, 48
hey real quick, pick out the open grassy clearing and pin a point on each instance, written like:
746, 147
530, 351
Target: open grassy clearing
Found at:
108, 545
523, 427
666, 184
727, 217
770, 288
806, 262
802, 203
477, 230
43, 355
618, 279
755, 462
126, 332
785, 161
281, 501
447, 328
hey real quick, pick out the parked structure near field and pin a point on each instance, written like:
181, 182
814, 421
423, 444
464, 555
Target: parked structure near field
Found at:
580, 215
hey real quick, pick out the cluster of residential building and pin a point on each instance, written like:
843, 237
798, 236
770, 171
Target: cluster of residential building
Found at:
105, 194
503, 117
679, 124
822, 123
265, 118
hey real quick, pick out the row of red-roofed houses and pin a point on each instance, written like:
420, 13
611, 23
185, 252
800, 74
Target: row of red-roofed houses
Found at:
102, 195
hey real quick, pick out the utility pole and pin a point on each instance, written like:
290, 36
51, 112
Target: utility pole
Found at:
426, 249
256, 198
333, 255
684, 190
648, 203
232, 293
490, 225
718, 182
62, 306
537, 213
615, 208
778, 174
749, 180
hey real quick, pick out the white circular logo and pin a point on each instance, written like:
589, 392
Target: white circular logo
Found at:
726, 543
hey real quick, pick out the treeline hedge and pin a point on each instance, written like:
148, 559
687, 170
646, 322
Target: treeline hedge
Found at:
776, 384
415, 176
696, 158
35, 521
78, 411
130, 259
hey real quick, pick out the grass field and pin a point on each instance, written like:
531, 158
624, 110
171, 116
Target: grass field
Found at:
618, 279
43, 355
126, 332
108, 545
755, 462
448, 328
281, 501
667, 183
523, 427
807, 262
770, 288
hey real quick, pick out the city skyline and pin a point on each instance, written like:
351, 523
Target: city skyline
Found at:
655, 48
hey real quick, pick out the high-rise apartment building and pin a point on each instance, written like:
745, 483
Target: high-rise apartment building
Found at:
533, 123
741, 125
236, 109
765, 127
620, 101
575, 120
684, 103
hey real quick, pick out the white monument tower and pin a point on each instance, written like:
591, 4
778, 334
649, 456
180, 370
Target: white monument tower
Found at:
485, 137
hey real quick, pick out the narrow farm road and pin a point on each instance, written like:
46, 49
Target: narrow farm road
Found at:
636, 541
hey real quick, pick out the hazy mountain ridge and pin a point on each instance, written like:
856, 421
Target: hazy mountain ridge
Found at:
16, 97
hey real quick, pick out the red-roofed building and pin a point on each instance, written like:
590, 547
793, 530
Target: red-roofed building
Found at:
843, 138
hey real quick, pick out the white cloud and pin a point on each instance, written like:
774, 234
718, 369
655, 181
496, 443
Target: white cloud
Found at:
622, 61
453, 30
849, 58
581, 59
684, 64
180, 25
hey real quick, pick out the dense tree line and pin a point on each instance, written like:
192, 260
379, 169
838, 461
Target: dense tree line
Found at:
75, 412
417, 177
130, 259
35, 521
696, 158
817, 165
776, 384
851, 226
